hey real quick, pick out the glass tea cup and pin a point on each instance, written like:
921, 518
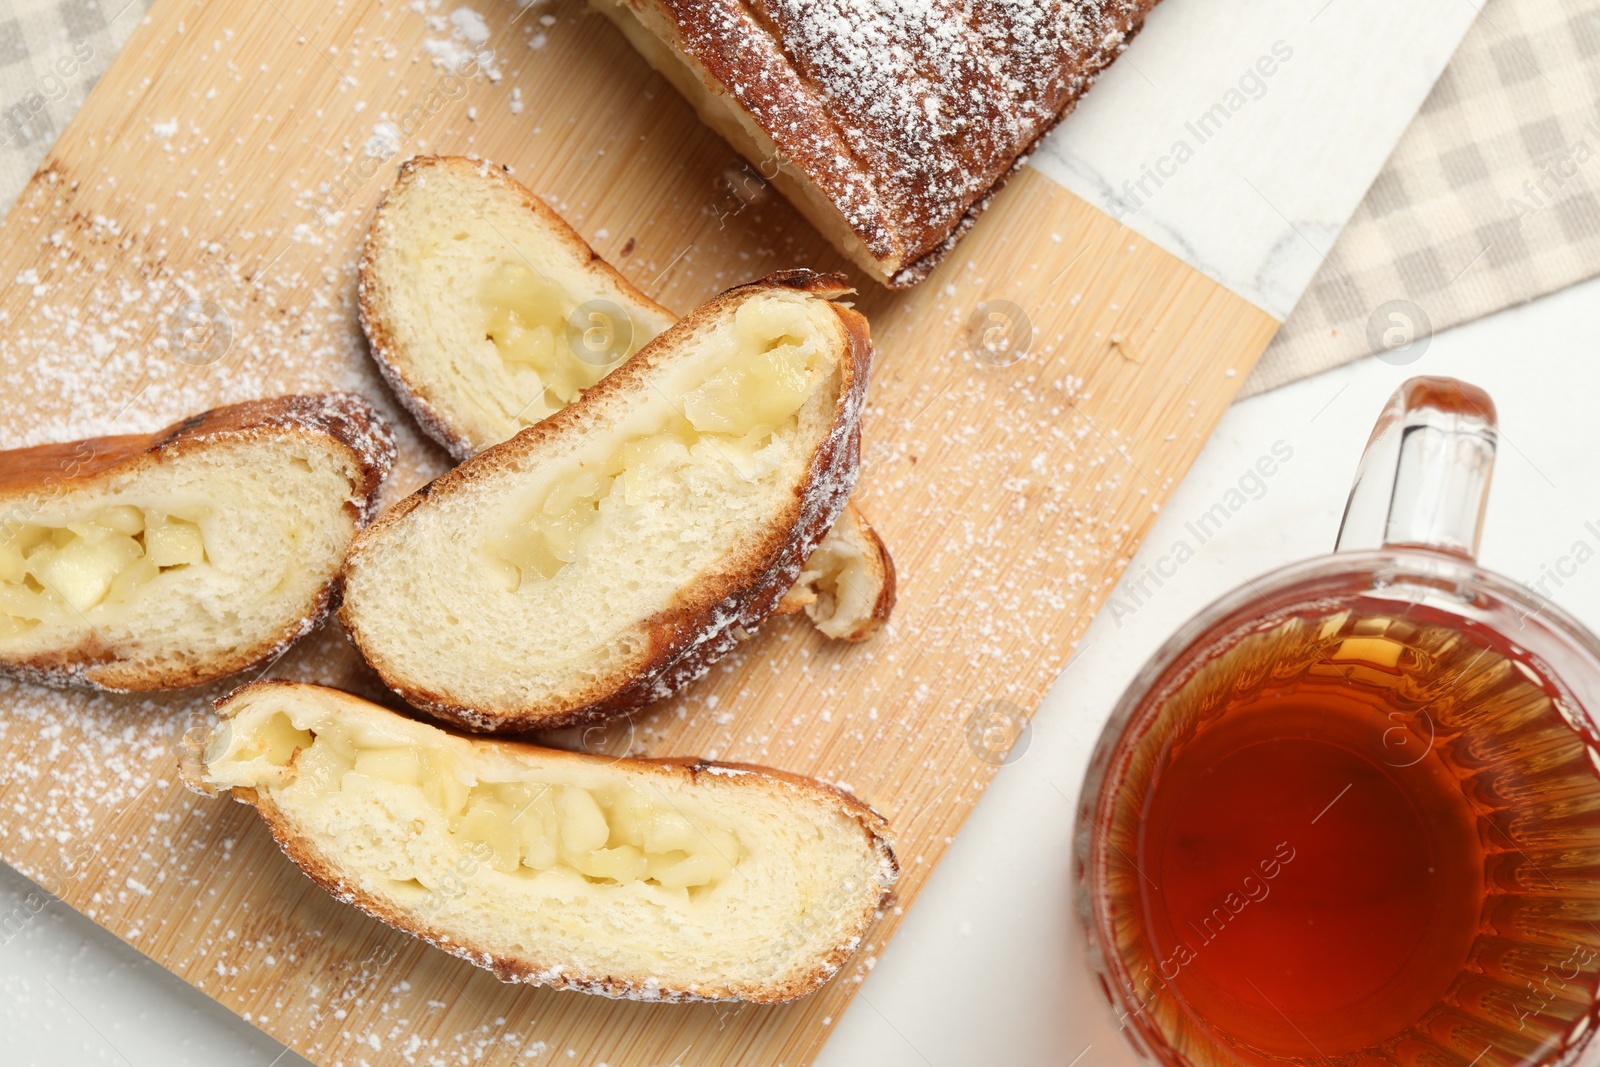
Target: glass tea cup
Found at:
1350, 813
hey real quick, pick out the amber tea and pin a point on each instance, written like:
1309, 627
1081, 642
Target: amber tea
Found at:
1362, 836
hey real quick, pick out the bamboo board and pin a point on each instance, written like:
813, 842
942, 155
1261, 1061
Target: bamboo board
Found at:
229, 163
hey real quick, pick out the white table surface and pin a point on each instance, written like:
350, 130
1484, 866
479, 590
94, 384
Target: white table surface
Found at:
987, 968
1263, 126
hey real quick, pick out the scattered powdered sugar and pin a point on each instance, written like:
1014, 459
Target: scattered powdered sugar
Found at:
905, 113
465, 47
469, 26
725, 772
100, 335
448, 54
124, 355
384, 142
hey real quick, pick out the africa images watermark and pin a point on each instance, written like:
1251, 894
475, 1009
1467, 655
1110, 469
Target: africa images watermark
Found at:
22, 118
1563, 569
1553, 983
1132, 594
1557, 171
998, 732
1250, 86
198, 333
998, 333
24, 509
1399, 330
17, 919
71, 862
745, 184
1253, 887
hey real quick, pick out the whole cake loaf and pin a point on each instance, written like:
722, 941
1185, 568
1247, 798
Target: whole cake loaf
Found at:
888, 123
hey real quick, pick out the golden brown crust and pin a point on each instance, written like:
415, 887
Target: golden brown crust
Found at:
412, 393
323, 869
878, 562
31, 476
906, 120
715, 616
882, 564
883, 607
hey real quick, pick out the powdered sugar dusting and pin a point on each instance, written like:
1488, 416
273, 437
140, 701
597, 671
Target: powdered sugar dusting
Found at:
1007, 508
384, 142
462, 44
469, 26
101, 342
905, 112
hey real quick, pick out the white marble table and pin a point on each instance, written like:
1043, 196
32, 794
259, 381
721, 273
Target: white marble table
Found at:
987, 968
1241, 136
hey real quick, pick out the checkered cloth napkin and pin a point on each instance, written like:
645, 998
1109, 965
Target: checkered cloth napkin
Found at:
1491, 198
51, 54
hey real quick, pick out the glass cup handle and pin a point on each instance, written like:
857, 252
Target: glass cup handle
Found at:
1423, 481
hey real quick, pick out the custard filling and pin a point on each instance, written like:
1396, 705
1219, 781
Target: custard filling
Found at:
756, 384
49, 572
531, 321
613, 835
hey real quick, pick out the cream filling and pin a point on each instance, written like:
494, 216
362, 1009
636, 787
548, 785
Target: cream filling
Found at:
841, 591
49, 573
533, 823
755, 384
531, 321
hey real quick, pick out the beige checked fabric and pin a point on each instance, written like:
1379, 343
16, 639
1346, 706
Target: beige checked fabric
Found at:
1491, 198
51, 54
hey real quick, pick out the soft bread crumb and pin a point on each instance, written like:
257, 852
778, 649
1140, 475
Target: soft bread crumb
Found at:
182, 557
414, 825
477, 370
471, 292
847, 587
607, 556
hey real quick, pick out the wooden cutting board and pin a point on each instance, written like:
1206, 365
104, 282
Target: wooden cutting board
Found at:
1033, 404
